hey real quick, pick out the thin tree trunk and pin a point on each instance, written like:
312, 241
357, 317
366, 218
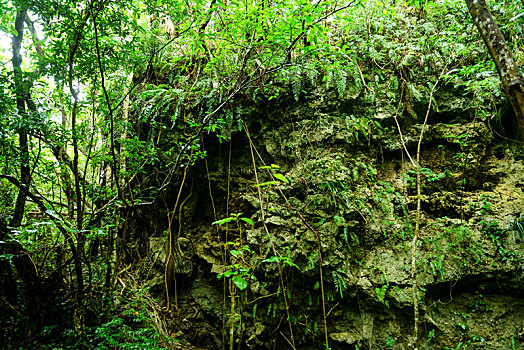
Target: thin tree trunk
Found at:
32, 286
25, 171
507, 67
80, 236
123, 132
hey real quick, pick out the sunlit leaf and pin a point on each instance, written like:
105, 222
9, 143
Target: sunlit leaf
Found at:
240, 282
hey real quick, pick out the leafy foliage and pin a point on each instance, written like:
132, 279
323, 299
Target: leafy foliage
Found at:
115, 98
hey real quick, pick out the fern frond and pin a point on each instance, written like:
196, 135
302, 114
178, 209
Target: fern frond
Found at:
340, 80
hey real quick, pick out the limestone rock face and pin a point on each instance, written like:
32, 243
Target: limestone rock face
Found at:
339, 189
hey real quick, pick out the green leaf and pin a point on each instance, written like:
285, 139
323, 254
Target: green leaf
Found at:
289, 262
265, 184
240, 282
271, 259
230, 273
224, 220
236, 253
281, 177
249, 221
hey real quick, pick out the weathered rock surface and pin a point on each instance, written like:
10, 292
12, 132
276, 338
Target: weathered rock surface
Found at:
343, 194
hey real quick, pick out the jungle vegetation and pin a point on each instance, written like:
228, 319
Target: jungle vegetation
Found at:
104, 105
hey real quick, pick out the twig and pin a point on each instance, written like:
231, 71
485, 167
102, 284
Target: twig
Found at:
362, 78
417, 222
400, 130
282, 334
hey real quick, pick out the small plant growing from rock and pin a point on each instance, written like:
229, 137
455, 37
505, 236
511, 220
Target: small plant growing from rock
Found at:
478, 303
239, 271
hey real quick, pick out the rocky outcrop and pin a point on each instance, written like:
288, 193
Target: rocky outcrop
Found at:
318, 186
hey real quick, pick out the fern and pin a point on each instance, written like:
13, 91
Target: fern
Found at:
329, 79
296, 83
179, 105
312, 74
240, 122
340, 285
340, 80
227, 127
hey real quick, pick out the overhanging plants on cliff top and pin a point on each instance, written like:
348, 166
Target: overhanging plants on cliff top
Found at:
242, 50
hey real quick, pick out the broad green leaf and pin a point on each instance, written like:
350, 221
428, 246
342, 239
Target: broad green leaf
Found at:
281, 177
240, 282
265, 184
249, 221
229, 273
271, 259
224, 220
289, 262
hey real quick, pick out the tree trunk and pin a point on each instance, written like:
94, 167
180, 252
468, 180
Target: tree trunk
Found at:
507, 67
32, 287
25, 171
